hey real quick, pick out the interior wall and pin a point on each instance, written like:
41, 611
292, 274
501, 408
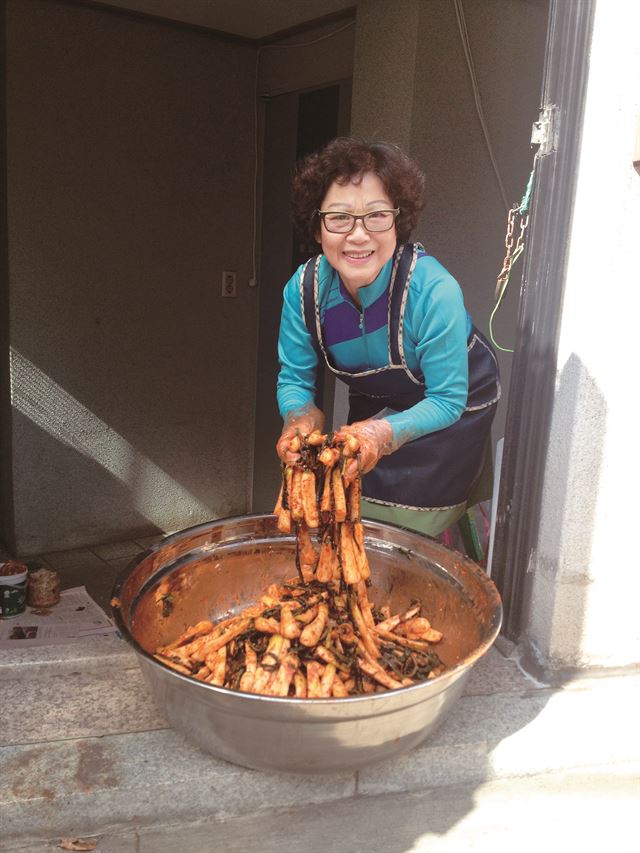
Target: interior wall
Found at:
385, 58
464, 221
130, 161
6, 491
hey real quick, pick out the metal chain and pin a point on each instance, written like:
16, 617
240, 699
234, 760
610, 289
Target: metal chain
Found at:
515, 247
513, 252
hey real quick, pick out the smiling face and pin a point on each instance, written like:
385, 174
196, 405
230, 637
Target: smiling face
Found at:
359, 256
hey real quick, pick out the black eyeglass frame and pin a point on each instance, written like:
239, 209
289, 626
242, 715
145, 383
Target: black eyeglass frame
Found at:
362, 216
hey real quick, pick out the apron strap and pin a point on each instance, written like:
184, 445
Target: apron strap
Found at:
307, 286
404, 263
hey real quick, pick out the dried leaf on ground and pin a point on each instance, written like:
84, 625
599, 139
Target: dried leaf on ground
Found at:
77, 844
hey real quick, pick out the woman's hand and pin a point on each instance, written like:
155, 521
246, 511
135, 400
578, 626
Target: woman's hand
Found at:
375, 439
298, 422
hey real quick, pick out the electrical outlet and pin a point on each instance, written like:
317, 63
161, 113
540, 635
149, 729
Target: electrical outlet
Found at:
228, 283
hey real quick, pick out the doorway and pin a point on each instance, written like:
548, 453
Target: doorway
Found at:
295, 124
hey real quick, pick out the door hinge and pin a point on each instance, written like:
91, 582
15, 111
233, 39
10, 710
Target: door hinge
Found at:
544, 132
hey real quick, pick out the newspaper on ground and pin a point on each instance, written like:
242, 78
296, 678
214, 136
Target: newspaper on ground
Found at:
75, 616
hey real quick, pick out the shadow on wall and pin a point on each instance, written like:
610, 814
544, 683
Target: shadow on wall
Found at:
560, 574
85, 477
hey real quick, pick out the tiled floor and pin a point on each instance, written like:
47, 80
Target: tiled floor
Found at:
95, 568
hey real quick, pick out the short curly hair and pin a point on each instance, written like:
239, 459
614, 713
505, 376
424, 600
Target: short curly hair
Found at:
345, 159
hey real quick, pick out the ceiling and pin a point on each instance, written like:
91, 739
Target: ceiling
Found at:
251, 19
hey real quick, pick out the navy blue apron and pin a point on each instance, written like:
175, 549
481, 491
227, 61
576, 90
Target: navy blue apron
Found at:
438, 470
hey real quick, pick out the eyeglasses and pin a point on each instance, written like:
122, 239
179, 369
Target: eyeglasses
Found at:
344, 223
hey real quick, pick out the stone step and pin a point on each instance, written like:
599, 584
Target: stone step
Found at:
526, 814
86, 751
91, 655
95, 689
78, 705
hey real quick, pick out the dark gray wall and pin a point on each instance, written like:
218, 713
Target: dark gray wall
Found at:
6, 486
464, 222
130, 159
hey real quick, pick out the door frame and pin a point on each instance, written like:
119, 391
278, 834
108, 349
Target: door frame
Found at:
531, 391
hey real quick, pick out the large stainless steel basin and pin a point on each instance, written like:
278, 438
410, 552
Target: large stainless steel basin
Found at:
219, 567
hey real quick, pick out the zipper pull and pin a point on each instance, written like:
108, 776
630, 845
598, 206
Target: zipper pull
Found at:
361, 323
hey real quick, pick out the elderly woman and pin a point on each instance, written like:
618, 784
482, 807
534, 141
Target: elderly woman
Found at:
390, 322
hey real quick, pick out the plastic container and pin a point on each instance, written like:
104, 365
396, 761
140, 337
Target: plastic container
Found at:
13, 589
44, 588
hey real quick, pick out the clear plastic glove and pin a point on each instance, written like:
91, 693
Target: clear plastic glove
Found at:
375, 440
298, 422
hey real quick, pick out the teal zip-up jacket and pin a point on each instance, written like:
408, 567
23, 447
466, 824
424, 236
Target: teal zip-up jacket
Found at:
435, 333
